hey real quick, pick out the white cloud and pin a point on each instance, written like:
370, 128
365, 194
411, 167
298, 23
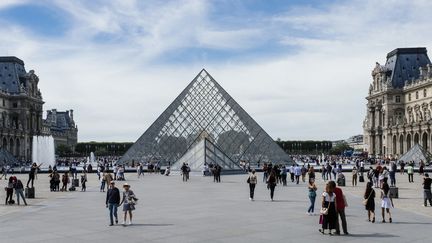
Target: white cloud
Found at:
314, 92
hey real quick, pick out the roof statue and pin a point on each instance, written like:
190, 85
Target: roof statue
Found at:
417, 153
206, 119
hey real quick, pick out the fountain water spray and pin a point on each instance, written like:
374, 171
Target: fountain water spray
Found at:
43, 151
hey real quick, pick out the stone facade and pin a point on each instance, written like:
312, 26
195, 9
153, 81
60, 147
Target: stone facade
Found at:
20, 107
399, 104
61, 126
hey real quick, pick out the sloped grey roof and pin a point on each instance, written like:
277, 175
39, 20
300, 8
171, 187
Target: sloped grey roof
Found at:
416, 154
403, 64
59, 121
11, 72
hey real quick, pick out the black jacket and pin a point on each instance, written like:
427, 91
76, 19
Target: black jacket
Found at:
113, 196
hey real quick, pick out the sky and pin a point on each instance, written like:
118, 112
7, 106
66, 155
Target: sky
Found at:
300, 68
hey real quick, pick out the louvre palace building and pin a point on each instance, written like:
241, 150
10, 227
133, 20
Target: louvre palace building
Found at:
399, 104
20, 107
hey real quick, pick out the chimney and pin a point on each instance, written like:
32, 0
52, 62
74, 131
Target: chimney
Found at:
54, 116
71, 114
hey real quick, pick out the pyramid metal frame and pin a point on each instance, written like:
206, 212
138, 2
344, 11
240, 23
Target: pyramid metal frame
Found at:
205, 110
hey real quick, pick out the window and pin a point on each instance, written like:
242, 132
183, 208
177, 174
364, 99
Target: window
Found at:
417, 95
409, 97
424, 93
15, 105
397, 99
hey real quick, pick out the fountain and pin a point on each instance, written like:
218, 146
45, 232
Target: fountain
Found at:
43, 151
93, 159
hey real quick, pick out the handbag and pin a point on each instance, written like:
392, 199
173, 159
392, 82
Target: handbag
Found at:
367, 199
324, 211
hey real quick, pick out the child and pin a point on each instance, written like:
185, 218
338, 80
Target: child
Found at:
83, 182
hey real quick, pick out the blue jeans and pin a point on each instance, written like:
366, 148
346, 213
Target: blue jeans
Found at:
102, 187
113, 211
312, 206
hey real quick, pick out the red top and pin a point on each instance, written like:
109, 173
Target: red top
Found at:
339, 198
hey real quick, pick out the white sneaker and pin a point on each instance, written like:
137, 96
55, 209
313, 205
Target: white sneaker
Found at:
250, 198
130, 223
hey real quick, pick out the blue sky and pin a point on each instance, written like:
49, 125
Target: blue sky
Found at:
300, 68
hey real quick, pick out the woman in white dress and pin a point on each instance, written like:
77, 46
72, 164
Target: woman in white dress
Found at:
386, 201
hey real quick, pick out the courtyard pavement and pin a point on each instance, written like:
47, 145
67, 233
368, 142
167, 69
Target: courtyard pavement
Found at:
170, 210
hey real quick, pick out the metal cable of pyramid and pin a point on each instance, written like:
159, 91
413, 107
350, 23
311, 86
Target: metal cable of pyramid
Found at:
205, 110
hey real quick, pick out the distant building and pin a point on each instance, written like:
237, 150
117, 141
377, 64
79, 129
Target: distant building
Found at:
20, 107
61, 125
356, 142
399, 104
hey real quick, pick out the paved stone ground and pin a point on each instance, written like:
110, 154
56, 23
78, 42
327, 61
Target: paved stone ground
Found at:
200, 210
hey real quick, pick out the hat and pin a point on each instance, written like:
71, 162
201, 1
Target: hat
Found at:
126, 185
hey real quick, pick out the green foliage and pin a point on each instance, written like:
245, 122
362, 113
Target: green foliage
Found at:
305, 147
63, 150
340, 148
102, 148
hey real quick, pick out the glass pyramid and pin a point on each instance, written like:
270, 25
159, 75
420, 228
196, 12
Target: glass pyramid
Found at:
416, 153
205, 110
205, 152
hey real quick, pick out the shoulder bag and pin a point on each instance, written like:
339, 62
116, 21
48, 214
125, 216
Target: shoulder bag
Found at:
367, 199
324, 211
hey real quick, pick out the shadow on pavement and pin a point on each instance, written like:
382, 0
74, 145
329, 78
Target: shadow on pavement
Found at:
410, 223
379, 235
149, 225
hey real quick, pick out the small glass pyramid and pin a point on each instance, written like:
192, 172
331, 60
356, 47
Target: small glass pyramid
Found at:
417, 153
205, 110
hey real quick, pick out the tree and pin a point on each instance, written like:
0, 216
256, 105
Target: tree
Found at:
340, 148
63, 150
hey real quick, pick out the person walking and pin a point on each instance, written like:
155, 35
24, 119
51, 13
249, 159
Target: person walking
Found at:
297, 173
328, 203
402, 167
386, 201
311, 173
312, 195
108, 178
19, 187
128, 202
354, 176
410, 172
427, 195
340, 208
83, 181
252, 180
421, 167
140, 169
369, 202
112, 202
65, 181
271, 183
392, 173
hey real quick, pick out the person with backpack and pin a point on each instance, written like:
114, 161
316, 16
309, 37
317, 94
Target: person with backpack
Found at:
252, 181
19, 187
